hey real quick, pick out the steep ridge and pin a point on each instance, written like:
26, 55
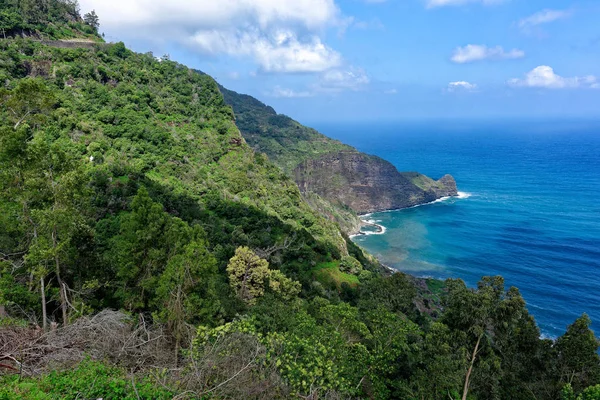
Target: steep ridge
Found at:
338, 174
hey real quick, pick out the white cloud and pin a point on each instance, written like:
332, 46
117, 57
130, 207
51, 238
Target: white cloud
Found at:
331, 82
278, 91
391, 91
279, 52
442, 3
337, 80
543, 17
462, 86
473, 52
280, 36
545, 77
212, 14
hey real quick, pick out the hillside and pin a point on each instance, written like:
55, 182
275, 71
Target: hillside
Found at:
48, 19
323, 168
148, 252
86, 132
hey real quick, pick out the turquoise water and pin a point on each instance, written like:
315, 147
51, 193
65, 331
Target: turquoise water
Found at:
529, 210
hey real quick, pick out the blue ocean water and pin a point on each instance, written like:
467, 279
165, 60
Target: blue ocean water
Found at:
529, 210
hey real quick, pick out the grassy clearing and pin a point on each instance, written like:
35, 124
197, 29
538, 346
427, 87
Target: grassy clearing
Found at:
329, 272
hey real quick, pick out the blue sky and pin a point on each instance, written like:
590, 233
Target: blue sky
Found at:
353, 60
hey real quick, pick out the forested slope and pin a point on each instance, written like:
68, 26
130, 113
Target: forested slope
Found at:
147, 252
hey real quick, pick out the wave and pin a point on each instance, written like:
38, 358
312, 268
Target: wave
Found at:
382, 231
380, 228
461, 196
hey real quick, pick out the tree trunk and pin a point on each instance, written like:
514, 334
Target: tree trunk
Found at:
3, 313
44, 312
468, 377
61, 286
178, 323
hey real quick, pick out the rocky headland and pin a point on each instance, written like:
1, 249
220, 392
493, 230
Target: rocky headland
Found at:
368, 183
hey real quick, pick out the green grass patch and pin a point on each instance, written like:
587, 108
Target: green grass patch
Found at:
329, 272
436, 286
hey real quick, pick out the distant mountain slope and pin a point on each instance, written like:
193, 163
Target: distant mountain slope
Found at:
324, 168
286, 142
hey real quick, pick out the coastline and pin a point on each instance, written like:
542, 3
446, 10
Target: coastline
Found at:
380, 230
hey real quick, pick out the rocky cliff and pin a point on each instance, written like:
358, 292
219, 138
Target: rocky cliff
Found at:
367, 183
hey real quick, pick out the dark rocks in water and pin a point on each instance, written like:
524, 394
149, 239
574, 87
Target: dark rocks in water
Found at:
368, 183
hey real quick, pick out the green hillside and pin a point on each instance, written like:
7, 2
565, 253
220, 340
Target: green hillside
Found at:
285, 141
84, 131
46, 19
148, 252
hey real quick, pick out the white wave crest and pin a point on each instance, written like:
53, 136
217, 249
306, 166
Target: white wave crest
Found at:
382, 230
464, 195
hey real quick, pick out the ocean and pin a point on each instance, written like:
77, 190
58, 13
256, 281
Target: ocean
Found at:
529, 208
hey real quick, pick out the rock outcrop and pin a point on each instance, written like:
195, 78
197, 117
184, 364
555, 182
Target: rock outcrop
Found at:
367, 183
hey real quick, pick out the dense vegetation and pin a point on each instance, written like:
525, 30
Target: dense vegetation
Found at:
47, 19
125, 185
286, 142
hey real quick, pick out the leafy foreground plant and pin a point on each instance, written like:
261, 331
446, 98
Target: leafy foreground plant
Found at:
88, 380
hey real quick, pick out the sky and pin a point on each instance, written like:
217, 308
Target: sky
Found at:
388, 60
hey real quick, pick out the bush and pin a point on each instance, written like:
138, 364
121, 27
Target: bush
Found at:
89, 380
350, 265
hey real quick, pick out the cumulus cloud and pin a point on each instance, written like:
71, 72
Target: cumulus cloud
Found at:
281, 36
543, 17
461, 86
473, 52
280, 51
442, 3
545, 77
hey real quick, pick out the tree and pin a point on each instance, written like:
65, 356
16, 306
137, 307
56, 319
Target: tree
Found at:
442, 362
396, 293
285, 287
185, 290
247, 274
578, 360
29, 101
139, 256
489, 317
92, 20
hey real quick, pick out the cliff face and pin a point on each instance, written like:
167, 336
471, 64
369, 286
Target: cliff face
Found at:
367, 183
